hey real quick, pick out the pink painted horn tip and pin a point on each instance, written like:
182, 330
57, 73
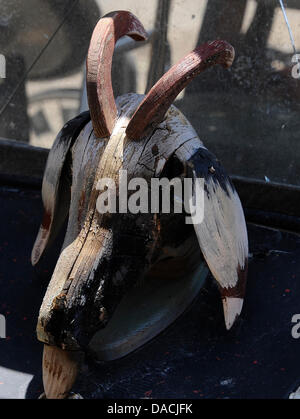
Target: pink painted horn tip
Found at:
224, 50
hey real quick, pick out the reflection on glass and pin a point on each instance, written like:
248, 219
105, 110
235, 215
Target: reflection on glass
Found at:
247, 115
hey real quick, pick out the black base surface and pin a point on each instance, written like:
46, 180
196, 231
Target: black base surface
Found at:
194, 358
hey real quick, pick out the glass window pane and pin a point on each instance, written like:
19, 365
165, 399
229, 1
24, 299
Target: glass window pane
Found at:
247, 115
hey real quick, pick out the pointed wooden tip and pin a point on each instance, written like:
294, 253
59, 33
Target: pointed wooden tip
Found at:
60, 369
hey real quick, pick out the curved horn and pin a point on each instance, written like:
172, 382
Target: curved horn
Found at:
152, 109
101, 100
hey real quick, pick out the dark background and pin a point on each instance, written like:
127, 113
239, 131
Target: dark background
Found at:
195, 357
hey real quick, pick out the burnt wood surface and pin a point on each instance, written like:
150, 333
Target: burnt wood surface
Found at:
195, 357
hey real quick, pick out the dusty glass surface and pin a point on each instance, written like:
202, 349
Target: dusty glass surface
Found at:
247, 115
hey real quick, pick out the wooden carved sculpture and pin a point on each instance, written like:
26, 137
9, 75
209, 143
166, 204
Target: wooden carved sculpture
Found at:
105, 255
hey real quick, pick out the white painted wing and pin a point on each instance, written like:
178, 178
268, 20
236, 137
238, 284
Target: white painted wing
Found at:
222, 235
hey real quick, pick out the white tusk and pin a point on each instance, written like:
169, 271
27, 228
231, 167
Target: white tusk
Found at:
232, 307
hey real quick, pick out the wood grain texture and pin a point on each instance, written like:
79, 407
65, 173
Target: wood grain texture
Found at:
60, 369
98, 67
75, 284
104, 255
153, 108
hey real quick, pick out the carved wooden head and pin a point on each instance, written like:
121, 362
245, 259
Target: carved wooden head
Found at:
104, 254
